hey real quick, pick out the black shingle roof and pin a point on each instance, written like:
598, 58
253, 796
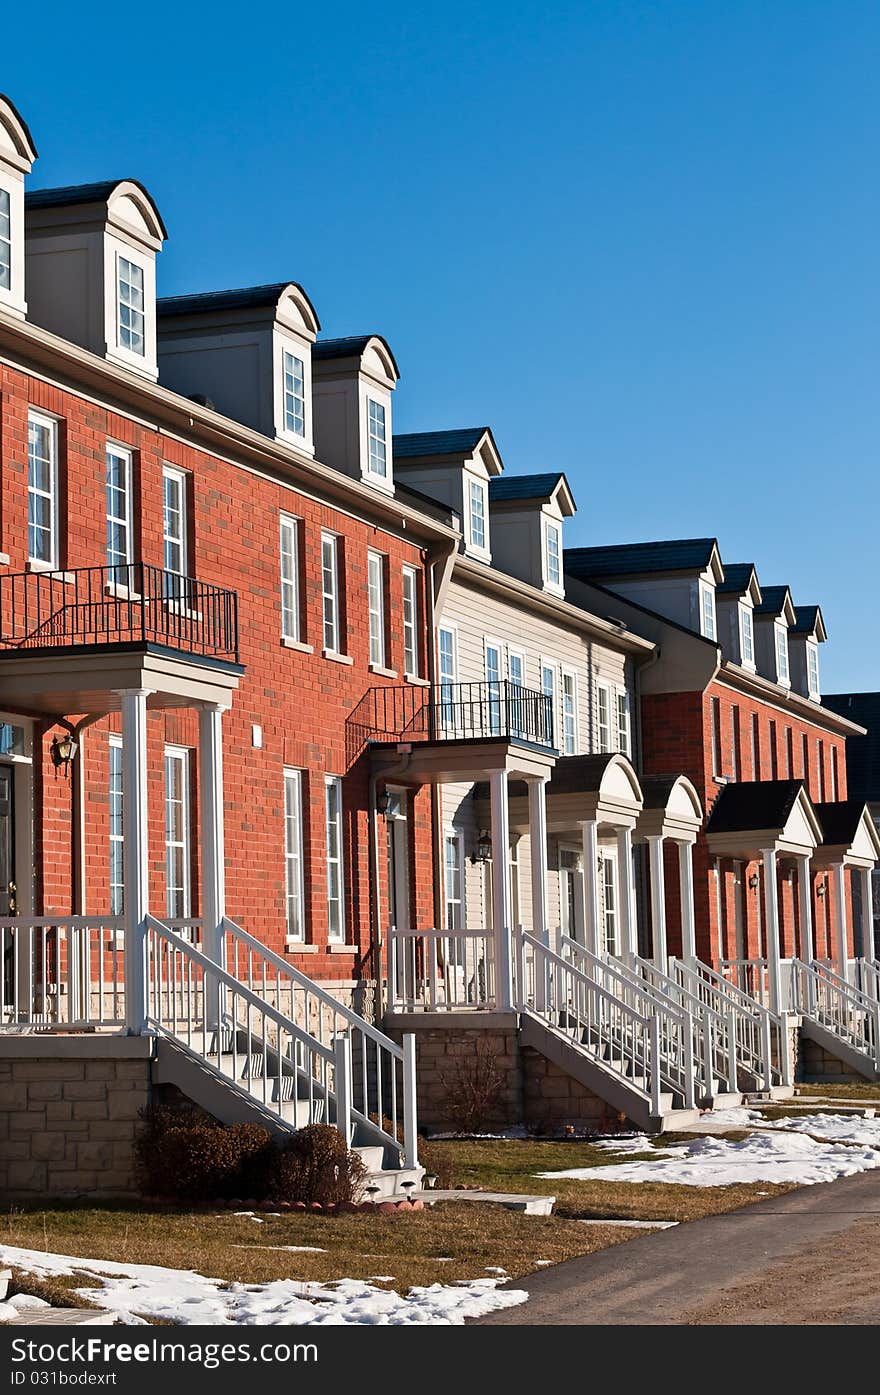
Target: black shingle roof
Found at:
862, 752
840, 820
416, 444
633, 559
737, 577
806, 619
244, 298
773, 600
68, 194
352, 346
747, 804
515, 487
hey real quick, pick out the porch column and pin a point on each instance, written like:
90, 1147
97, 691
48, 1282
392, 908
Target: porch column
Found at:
841, 954
538, 848
658, 901
686, 888
805, 909
771, 920
592, 932
213, 900
135, 855
501, 888
867, 915
630, 939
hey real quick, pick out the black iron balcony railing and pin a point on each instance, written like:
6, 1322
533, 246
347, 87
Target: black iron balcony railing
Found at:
131, 603
456, 712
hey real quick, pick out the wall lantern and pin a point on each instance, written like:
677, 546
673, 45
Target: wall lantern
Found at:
820, 889
754, 881
62, 751
383, 803
483, 850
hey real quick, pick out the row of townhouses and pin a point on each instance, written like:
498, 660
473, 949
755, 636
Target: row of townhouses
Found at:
326, 765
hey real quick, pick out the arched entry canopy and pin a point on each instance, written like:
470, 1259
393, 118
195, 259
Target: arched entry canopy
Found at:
672, 812
672, 809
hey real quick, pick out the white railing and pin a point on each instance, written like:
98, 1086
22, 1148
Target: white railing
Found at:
441, 970
852, 1016
611, 1017
866, 976
749, 976
383, 1087
62, 972
761, 1040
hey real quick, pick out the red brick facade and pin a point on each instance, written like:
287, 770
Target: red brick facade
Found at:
678, 737
300, 700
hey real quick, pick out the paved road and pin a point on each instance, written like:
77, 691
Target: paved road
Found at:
810, 1256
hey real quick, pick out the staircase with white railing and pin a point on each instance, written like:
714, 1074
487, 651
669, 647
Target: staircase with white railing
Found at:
760, 1035
840, 1018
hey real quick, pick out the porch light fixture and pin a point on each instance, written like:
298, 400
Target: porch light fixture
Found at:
820, 889
383, 803
62, 751
754, 880
483, 850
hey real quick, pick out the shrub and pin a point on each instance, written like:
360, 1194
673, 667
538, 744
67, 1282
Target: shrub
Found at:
186, 1154
313, 1165
474, 1090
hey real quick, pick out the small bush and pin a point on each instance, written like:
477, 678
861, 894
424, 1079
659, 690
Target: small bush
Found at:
188, 1155
313, 1165
474, 1090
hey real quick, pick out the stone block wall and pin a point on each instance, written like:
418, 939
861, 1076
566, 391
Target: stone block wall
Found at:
815, 1065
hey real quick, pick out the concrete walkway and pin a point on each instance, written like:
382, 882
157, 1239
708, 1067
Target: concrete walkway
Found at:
810, 1256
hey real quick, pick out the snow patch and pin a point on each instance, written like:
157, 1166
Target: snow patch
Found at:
841, 1128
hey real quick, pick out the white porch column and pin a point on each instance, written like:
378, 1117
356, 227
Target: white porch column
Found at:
590, 872
867, 915
686, 890
805, 910
135, 855
213, 902
538, 849
658, 901
627, 891
501, 911
771, 921
841, 955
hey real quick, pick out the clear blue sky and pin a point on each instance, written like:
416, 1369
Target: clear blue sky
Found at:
639, 240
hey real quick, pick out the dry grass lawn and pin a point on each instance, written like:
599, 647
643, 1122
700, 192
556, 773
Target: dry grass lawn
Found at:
854, 1090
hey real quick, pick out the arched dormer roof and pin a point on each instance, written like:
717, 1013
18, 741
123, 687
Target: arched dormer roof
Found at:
277, 297
371, 350
16, 143
127, 202
601, 787
672, 809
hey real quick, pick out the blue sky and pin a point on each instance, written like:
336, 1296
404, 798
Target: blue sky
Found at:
638, 240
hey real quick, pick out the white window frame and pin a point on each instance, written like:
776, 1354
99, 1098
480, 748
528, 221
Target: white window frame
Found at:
453, 866
551, 527
140, 311
178, 756
376, 570
569, 729
604, 729
610, 882
6, 238
479, 487
330, 593
288, 531
377, 442
549, 671
116, 838
624, 723
715, 737
516, 659
494, 646
411, 664
780, 644
333, 825
50, 425
746, 634
813, 688
122, 520
172, 475
708, 618
294, 881
293, 403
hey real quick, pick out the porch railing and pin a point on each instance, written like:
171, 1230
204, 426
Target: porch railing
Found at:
127, 603
455, 712
761, 1040
441, 970
851, 1015
62, 972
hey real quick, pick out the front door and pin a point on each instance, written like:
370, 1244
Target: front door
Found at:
8, 900
739, 909
571, 894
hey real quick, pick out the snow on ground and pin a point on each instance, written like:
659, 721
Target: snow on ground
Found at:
136, 1291
841, 1128
716, 1162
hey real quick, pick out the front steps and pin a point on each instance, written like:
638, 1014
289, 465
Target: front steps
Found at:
840, 1051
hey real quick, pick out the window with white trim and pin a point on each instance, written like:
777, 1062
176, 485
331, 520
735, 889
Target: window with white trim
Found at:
114, 795
835, 775
378, 445
376, 600
293, 855
410, 622
330, 590
453, 879
335, 887
294, 394
177, 833
493, 684
609, 901
119, 551
553, 553
603, 718
130, 306
174, 520
516, 672
781, 652
746, 634
477, 514
813, 669
5, 241
290, 609
624, 726
446, 667
548, 688
707, 610
569, 713
42, 489
715, 719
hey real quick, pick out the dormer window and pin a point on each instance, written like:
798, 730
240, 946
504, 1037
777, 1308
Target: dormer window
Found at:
477, 515
378, 448
294, 394
746, 635
707, 611
5, 240
781, 654
553, 553
813, 670
130, 306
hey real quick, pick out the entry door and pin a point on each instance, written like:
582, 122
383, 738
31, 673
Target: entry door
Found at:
398, 866
571, 899
739, 909
8, 904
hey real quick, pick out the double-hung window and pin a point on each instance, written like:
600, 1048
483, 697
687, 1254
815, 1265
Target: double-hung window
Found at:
378, 443
707, 610
42, 489
293, 854
569, 713
335, 886
493, 686
747, 639
477, 514
609, 902
376, 598
5, 241
446, 673
624, 731
715, 718
781, 653
410, 622
177, 830
452, 867
174, 526
130, 306
330, 591
516, 675
813, 670
290, 610
553, 545
115, 810
548, 688
294, 395
603, 717
118, 512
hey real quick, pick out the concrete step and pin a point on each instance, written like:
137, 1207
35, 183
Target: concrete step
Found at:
386, 1182
372, 1156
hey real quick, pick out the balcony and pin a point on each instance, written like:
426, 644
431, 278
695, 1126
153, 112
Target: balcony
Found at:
133, 605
